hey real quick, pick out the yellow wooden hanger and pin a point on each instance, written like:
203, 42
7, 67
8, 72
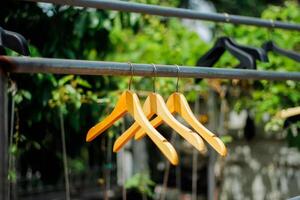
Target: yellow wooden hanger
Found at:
177, 103
155, 105
129, 103
289, 112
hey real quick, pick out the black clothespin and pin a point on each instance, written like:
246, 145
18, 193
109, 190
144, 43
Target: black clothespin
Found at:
13, 41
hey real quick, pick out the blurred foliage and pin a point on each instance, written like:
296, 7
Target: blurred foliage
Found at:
70, 91
159, 42
245, 7
76, 33
293, 135
142, 183
266, 98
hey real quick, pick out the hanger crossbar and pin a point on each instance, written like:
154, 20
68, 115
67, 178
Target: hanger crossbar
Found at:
82, 67
174, 12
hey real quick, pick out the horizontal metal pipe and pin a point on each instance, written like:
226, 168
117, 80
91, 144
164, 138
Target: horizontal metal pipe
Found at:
173, 12
67, 66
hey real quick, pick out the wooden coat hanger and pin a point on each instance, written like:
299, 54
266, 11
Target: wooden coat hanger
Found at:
129, 103
289, 112
155, 105
177, 103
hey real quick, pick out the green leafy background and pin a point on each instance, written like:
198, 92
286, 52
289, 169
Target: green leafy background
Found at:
76, 33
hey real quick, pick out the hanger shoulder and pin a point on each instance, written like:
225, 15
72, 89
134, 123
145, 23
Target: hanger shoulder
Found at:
255, 52
182, 108
140, 133
14, 41
286, 113
163, 112
155, 122
131, 131
215, 53
125, 137
268, 46
246, 60
175, 105
158, 120
137, 113
271, 46
164, 115
212, 55
116, 114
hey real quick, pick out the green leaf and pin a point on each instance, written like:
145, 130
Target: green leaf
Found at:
26, 94
65, 79
13, 149
83, 83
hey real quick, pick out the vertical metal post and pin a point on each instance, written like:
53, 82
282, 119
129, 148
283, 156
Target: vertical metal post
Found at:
3, 136
213, 123
195, 155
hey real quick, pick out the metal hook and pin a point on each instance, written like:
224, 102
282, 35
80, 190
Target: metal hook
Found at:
272, 23
130, 80
272, 28
227, 17
154, 77
177, 83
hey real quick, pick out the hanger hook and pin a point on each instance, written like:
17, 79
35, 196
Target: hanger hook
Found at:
272, 28
130, 80
154, 77
227, 17
177, 83
272, 23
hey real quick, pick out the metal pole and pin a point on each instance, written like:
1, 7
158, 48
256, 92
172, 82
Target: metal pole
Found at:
195, 156
173, 12
3, 136
213, 124
64, 152
68, 66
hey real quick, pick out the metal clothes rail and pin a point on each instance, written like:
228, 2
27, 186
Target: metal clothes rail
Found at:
68, 66
174, 12
65, 66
